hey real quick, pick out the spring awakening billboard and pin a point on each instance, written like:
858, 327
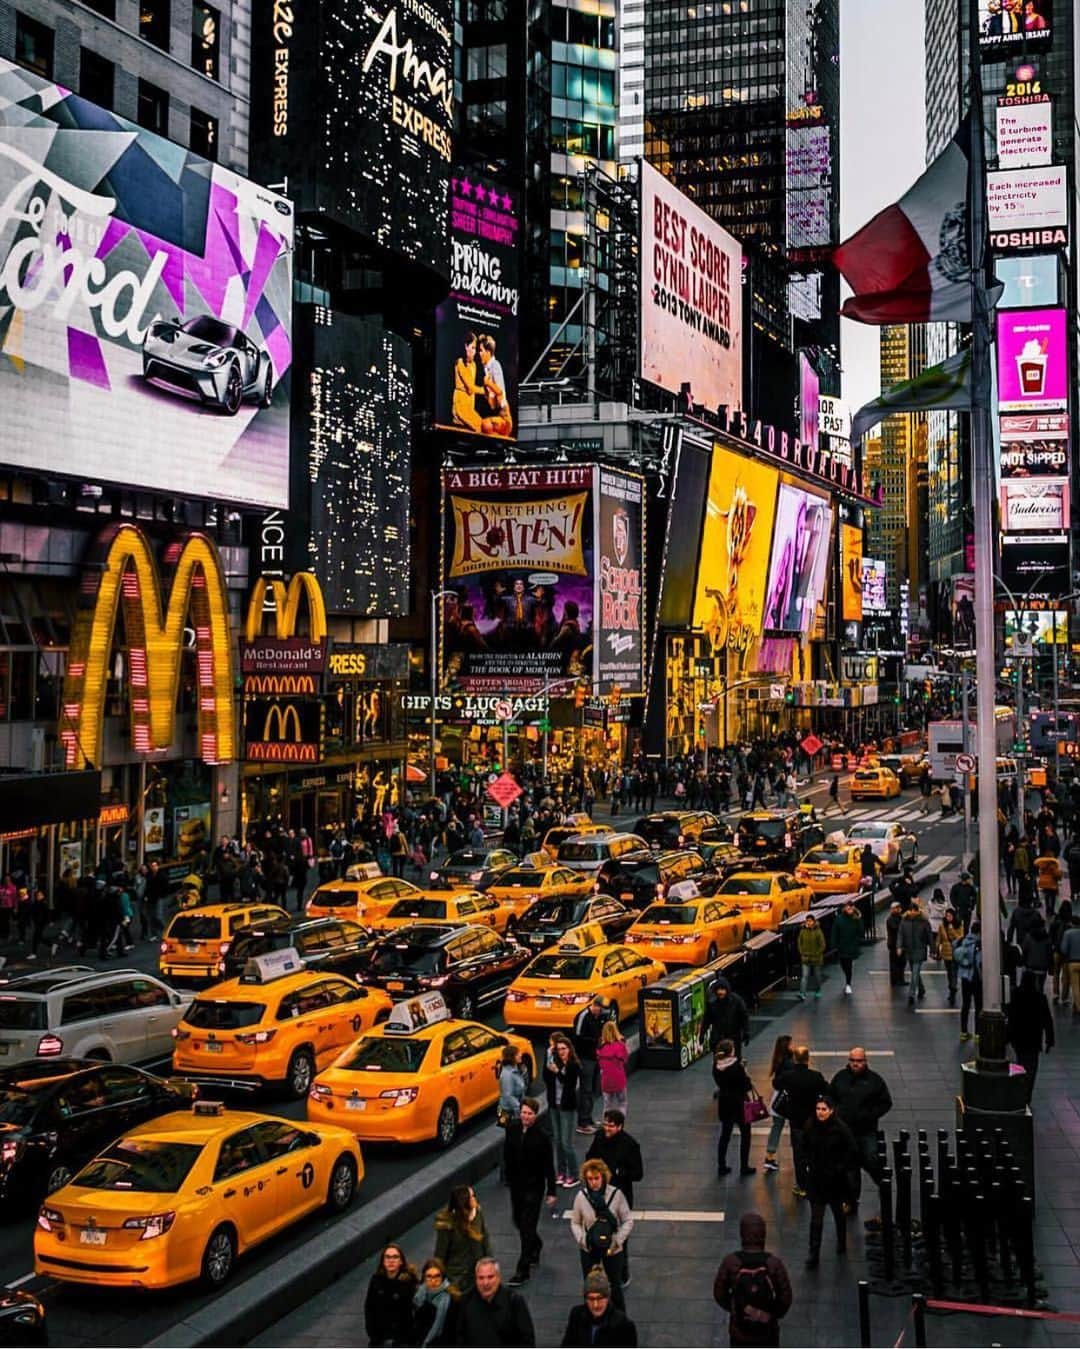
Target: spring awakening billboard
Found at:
518, 559
145, 302
476, 326
691, 297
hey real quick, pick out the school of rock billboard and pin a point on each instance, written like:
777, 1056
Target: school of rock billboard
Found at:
542, 569
476, 326
145, 305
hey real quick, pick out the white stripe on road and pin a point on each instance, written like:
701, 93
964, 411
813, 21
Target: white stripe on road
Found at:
669, 1215
17, 1283
942, 973
935, 866
843, 1053
936, 1011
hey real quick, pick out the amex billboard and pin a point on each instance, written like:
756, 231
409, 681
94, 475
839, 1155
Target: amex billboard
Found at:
691, 297
145, 301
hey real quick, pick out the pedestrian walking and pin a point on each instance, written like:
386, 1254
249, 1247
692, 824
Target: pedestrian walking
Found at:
832, 1159
963, 897
621, 1153
513, 1087
1070, 957
562, 1076
753, 1287
1048, 873
726, 1015
461, 1237
935, 912
926, 791
1062, 922
529, 1165
1030, 1027
847, 935
834, 793
611, 1057
433, 1307
811, 946
862, 1101
1037, 952
588, 1024
388, 1306
949, 935
915, 944
781, 1058
892, 938
493, 1316
801, 1086
968, 956
733, 1086
597, 1321
601, 1222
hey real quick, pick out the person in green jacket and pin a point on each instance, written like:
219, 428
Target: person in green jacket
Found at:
811, 954
847, 932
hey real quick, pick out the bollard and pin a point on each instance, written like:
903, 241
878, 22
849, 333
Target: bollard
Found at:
942, 1152
932, 1236
888, 1232
977, 1237
1025, 1230
905, 1227
864, 1314
918, 1317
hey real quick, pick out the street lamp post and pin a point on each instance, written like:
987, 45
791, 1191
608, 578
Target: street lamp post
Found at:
550, 684
1020, 612
436, 596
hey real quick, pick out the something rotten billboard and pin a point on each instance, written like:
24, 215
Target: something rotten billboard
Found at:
518, 566
476, 327
691, 297
145, 300
620, 552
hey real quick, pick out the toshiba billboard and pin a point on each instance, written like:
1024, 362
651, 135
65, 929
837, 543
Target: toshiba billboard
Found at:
691, 297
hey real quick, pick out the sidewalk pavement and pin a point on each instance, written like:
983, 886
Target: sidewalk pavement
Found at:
688, 1219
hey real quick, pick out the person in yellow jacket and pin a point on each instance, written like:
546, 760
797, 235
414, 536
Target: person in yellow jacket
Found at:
949, 933
1048, 873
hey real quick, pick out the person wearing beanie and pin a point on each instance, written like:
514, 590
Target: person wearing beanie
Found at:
596, 1321
753, 1287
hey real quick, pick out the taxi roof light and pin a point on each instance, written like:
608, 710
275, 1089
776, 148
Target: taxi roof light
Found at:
583, 937
208, 1108
415, 1013
273, 965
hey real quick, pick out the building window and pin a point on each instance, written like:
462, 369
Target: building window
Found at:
205, 39
34, 45
153, 108
204, 133
154, 22
107, 8
96, 78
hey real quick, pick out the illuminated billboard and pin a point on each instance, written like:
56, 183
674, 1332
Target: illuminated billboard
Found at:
1032, 360
730, 600
1027, 199
1010, 26
808, 165
1031, 280
1034, 564
620, 571
799, 561
518, 563
353, 391
691, 297
1035, 446
851, 564
1035, 505
1047, 627
353, 103
476, 326
1024, 132
873, 586
145, 306
809, 396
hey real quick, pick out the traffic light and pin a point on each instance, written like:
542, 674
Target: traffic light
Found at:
789, 697
579, 695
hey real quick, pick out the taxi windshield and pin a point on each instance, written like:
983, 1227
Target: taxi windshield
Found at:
823, 857
195, 927
771, 829
868, 831
533, 880
149, 1165
208, 1014
381, 1054
580, 850
754, 885
682, 915
561, 967
401, 956
418, 908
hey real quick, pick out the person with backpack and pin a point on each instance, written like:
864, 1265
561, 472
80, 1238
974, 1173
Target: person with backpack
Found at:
968, 957
753, 1287
601, 1222
1062, 922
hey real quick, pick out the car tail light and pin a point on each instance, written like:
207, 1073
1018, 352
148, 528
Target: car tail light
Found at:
166, 947
763, 906
156, 1225
320, 1093
9, 1149
49, 1045
514, 996
631, 939
400, 1095
49, 1218
576, 999
435, 980
223, 947
677, 940
178, 1034
259, 1037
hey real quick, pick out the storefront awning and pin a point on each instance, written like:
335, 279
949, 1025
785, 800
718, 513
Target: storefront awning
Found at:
28, 800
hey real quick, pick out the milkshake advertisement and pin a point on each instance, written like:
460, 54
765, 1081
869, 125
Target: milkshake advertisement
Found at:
1032, 360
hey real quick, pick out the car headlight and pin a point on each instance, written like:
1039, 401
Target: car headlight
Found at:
216, 360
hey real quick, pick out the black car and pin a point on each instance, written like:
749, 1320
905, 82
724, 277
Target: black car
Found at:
544, 923
645, 880
472, 967
57, 1115
473, 868
779, 837
321, 943
22, 1319
680, 828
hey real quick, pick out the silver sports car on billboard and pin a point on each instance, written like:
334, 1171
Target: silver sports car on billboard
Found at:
208, 359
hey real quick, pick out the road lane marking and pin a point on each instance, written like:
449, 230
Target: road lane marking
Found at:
18, 1283
669, 1215
843, 1053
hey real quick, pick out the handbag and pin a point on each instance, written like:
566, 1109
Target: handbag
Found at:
754, 1108
781, 1103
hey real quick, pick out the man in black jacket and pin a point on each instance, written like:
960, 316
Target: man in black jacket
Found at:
596, 1322
491, 1314
726, 1016
892, 939
588, 1024
802, 1085
622, 1155
529, 1165
862, 1099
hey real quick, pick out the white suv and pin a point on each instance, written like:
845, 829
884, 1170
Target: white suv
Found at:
122, 1016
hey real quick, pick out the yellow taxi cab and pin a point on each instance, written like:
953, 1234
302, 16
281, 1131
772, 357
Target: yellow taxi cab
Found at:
869, 783
277, 1023
766, 898
456, 907
416, 1077
360, 899
196, 942
831, 870
690, 931
553, 988
181, 1196
523, 885
573, 826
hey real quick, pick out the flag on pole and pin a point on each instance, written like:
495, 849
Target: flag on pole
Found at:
944, 386
910, 264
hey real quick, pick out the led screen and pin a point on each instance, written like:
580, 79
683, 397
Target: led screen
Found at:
799, 559
1010, 26
145, 301
1035, 446
1032, 360
851, 562
1046, 626
620, 570
686, 514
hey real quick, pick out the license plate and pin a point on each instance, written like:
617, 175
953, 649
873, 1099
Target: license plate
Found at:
191, 947
212, 1047
356, 1103
543, 1002
92, 1236
394, 986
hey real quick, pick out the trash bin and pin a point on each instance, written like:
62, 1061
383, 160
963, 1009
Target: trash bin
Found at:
766, 965
672, 1012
